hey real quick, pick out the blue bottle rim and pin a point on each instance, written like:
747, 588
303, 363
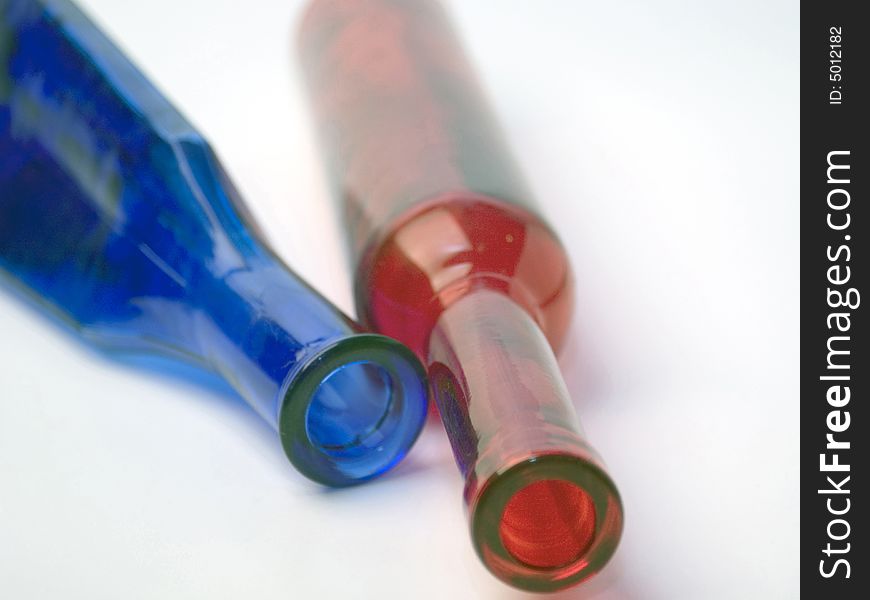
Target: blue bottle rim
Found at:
395, 431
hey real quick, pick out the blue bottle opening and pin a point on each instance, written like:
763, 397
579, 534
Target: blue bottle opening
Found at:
354, 410
350, 412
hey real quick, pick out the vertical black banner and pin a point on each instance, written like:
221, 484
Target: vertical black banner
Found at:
835, 368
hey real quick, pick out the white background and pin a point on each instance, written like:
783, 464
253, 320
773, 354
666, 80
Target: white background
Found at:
661, 138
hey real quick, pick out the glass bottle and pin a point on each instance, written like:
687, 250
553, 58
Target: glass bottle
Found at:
454, 259
116, 216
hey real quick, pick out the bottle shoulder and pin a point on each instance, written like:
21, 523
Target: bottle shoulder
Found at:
444, 248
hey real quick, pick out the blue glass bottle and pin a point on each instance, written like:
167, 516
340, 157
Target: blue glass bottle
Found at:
116, 215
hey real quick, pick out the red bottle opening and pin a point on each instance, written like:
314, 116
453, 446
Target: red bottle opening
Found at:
548, 524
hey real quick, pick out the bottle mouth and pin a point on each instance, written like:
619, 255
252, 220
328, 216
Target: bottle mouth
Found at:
354, 410
547, 523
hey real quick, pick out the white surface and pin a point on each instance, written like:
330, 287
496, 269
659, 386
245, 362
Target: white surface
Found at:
662, 138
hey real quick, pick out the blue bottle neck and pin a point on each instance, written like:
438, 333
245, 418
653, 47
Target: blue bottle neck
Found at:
258, 325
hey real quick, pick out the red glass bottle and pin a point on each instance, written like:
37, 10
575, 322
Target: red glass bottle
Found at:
454, 260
